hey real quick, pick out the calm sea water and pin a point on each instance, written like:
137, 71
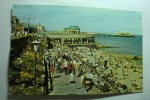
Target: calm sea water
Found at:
130, 46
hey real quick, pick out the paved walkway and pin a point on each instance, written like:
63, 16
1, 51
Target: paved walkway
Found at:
63, 87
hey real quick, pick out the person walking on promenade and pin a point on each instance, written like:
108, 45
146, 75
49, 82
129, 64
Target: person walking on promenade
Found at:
73, 65
71, 78
77, 67
51, 82
87, 80
52, 53
69, 66
65, 66
59, 61
52, 69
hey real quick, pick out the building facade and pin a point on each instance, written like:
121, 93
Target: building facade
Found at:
72, 30
72, 36
20, 29
40, 28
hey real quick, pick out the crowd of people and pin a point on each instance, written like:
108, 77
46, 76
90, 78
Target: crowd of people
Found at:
107, 72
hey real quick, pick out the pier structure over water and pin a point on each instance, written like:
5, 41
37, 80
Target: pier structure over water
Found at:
118, 34
72, 36
72, 39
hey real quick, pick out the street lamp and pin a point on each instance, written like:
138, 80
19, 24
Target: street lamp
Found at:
35, 46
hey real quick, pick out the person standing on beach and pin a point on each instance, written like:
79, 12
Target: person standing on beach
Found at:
105, 64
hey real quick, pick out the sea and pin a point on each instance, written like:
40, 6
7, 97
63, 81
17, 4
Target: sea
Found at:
125, 45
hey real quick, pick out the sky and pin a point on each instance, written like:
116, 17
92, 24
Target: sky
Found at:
87, 19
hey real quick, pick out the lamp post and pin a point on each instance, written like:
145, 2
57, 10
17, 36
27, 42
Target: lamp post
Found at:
35, 47
46, 64
28, 25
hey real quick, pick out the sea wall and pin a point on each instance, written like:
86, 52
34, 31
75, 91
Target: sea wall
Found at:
17, 46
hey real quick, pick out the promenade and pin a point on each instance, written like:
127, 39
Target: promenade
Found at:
74, 71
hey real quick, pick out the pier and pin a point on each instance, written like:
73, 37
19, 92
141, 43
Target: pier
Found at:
118, 34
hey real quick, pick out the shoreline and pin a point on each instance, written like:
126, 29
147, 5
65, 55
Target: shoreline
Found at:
130, 58
127, 55
100, 47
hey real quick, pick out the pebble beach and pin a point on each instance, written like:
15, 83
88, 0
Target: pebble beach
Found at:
117, 73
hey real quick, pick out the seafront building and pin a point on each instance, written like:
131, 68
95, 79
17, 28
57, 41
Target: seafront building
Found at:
40, 28
72, 30
20, 29
71, 36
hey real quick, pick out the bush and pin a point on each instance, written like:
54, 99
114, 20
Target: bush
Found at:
21, 90
26, 76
